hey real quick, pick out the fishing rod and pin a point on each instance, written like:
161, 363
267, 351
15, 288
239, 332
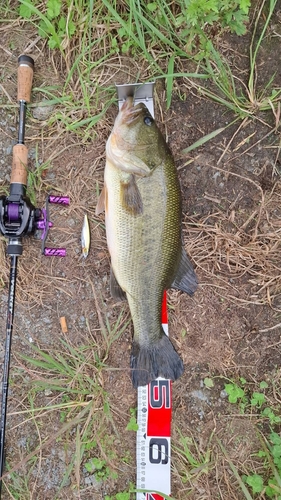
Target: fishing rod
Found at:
19, 218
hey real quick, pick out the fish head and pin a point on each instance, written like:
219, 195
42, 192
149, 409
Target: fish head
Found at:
136, 145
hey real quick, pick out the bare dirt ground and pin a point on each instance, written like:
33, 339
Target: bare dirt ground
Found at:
230, 328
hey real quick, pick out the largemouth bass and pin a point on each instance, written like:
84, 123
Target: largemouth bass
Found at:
142, 202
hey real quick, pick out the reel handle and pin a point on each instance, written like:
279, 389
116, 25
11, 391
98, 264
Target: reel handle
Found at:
54, 252
25, 77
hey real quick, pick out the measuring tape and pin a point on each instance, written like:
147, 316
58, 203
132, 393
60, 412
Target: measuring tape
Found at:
154, 433
154, 406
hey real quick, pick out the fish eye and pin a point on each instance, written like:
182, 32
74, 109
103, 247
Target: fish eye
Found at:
148, 121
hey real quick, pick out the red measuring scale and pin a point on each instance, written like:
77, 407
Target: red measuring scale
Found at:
154, 433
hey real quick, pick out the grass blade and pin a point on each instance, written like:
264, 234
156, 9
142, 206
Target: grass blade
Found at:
75, 421
245, 490
170, 80
207, 137
253, 56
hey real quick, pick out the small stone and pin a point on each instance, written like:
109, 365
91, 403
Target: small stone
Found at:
223, 394
216, 175
62, 455
32, 153
201, 414
200, 395
71, 222
46, 320
92, 481
43, 110
22, 442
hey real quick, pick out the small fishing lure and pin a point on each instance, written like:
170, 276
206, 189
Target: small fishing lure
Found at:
85, 237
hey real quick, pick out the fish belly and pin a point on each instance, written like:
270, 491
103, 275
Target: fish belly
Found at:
144, 248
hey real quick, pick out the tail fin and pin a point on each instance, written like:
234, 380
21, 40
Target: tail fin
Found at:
156, 360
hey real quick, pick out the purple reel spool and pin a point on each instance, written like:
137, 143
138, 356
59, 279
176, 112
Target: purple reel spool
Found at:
13, 212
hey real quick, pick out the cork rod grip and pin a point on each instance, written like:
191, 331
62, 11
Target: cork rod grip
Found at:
19, 165
25, 77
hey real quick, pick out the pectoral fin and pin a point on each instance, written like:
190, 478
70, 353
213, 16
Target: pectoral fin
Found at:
131, 197
115, 289
101, 201
185, 279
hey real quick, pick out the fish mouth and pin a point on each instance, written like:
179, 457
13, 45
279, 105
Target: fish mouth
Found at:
129, 113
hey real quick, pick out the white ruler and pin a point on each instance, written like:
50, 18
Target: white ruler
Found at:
154, 434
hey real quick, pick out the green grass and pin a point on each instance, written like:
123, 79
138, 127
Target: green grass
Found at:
198, 459
72, 377
18, 484
35, 179
244, 99
266, 482
90, 36
264, 403
192, 462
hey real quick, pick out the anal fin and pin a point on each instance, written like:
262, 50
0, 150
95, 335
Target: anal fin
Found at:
186, 279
